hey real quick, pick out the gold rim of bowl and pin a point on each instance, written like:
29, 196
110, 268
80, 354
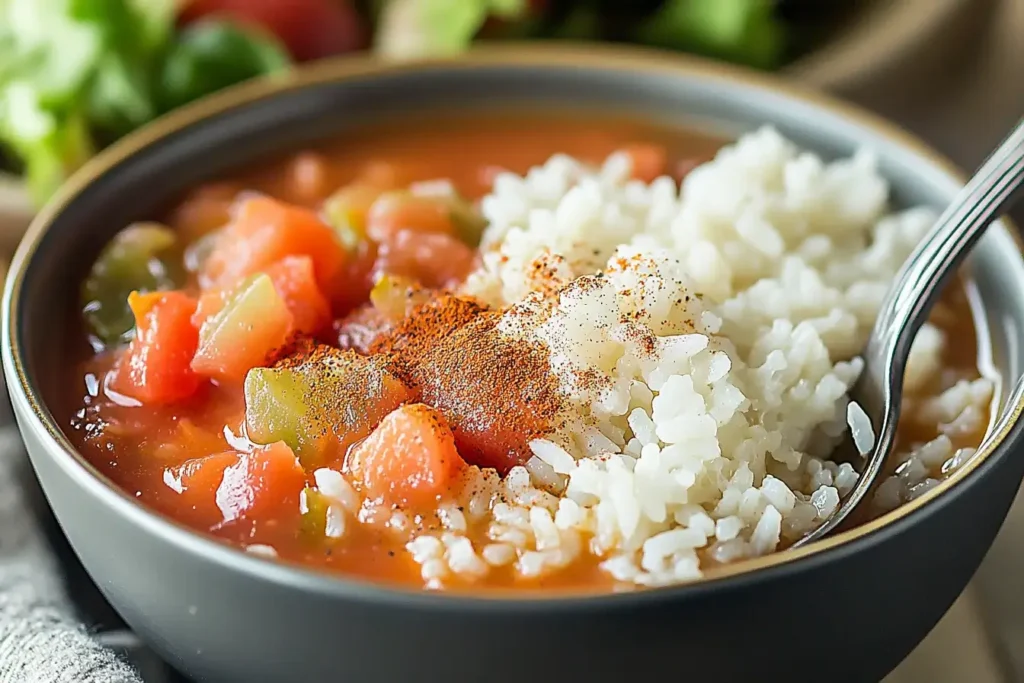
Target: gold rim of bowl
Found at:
603, 58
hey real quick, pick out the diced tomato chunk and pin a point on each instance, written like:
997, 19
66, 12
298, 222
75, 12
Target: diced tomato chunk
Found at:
211, 301
649, 161
355, 280
268, 479
493, 421
394, 212
490, 436
434, 260
156, 366
265, 231
409, 459
223, 487
205, 210
295, 280
196, 483
310, 29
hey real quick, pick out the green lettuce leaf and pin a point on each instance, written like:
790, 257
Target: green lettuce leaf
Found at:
69, 68
47, 142
77, 74
744, 31
211, 54
426, 28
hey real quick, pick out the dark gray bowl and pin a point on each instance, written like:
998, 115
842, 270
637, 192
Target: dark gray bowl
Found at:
847, 609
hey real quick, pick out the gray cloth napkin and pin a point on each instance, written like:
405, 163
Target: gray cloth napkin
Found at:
40, 639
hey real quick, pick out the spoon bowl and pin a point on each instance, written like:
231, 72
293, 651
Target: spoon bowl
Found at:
875, 399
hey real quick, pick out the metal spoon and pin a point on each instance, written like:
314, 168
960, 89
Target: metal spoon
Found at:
909, 300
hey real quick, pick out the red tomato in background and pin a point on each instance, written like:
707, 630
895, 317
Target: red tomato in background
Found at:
494, 27
310, 29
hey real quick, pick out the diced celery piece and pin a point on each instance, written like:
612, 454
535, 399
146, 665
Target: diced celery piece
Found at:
276, 410
345, 211
468, 221
316, 512
137, 259
394, 296
249, 330
320, 405
256, 299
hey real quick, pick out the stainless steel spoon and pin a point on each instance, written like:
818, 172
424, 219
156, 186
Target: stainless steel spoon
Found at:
909, 300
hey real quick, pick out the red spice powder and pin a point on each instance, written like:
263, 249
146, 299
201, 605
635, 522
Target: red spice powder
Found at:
427, 325
497, 393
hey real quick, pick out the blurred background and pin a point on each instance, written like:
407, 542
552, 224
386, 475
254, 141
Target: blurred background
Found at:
75, 75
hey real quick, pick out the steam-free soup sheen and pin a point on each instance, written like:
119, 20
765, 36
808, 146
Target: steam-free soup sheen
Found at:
497, 352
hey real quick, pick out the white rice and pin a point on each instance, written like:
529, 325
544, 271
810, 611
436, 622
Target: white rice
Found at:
860, 428
261, 550
704, 338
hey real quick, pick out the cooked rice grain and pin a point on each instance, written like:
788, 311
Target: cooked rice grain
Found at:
705, 339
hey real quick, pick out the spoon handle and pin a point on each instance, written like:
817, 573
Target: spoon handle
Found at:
919, 283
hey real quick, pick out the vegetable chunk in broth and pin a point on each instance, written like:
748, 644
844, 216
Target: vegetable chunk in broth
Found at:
530, 352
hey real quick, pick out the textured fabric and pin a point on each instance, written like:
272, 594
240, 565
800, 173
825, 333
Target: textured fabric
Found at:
40, 640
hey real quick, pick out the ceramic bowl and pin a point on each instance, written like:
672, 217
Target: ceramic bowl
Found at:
848, 608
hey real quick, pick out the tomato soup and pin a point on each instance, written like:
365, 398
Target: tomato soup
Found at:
513, 352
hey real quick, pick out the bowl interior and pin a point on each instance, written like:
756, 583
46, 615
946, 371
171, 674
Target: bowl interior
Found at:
137, 178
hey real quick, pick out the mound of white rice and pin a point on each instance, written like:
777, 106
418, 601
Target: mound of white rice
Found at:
705, 339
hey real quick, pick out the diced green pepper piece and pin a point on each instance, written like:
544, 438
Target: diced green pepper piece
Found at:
319, 516
320, 405
394, 296
345, 211
351, 233
276, 410
469, 223
136, 260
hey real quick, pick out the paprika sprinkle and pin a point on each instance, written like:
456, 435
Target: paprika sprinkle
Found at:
497, 393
